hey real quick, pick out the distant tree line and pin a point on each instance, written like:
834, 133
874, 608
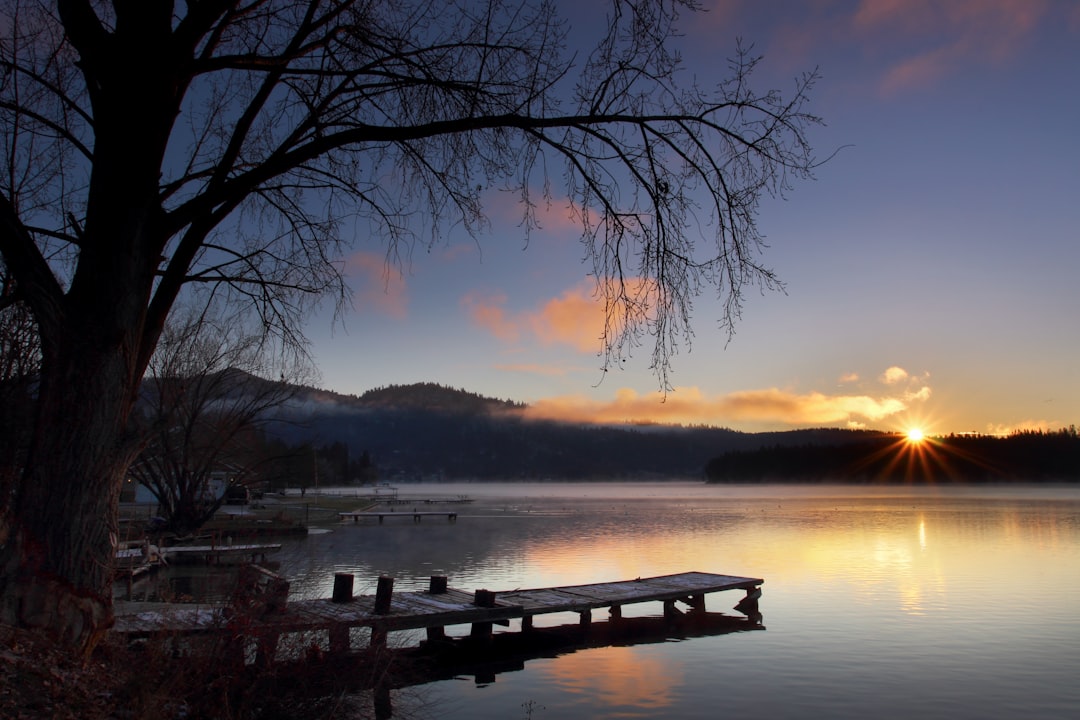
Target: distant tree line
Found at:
308, 465
1029, 456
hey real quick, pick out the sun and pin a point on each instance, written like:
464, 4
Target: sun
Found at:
915, 435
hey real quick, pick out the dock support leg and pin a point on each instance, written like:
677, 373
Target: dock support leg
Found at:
585, 619
378, 638
266, 648
436, 633
526, 623
749, 604
384, 710
481, 632
697, 603
615, 612
339, 639
670, 611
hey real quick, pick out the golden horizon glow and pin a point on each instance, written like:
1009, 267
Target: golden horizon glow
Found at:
915, 435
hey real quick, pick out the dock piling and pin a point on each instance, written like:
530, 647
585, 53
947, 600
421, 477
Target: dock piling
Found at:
484, 599
343, 587
383, 594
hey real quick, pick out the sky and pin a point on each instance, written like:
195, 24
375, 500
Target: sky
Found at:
930, 267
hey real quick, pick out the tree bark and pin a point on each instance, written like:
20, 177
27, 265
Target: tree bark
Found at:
57, 553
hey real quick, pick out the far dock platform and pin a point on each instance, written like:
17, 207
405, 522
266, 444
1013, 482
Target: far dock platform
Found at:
415, 515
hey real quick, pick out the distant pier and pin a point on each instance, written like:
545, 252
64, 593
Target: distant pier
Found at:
416, 516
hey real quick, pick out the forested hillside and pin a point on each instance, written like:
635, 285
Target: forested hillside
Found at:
427, 431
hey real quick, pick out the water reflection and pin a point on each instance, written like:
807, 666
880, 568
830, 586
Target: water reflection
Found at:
883, 601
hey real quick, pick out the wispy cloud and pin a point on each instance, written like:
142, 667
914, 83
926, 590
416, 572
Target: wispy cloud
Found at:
536, 369
688, 405
932, 38
382, 287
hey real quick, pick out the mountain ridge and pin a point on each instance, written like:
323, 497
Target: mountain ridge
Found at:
425, 430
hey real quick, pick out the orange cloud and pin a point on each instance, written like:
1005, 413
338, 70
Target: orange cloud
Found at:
382, 288
1024, 426
575, 318
688, 406
556, 217
894, 375
488, 313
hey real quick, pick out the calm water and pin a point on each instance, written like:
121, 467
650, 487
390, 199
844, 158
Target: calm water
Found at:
882, 602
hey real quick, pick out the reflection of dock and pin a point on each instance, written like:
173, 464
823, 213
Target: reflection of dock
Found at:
507, 652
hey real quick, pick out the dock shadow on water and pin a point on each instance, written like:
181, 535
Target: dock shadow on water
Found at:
306, 681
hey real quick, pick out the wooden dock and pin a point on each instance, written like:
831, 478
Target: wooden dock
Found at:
416, 516
216, 553
433, 609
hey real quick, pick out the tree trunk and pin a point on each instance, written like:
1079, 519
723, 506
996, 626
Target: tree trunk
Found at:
57, 550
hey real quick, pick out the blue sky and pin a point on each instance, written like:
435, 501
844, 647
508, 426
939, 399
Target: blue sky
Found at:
930, 268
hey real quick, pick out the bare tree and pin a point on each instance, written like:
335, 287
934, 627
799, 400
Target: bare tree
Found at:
148, 146
211, 388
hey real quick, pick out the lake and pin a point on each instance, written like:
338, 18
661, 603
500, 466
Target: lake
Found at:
883, 602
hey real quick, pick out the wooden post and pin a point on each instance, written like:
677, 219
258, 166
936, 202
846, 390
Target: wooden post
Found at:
526, 623
437, 584
615, 611
343, 585
436, 632
383, 593
585, 618
697, 603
